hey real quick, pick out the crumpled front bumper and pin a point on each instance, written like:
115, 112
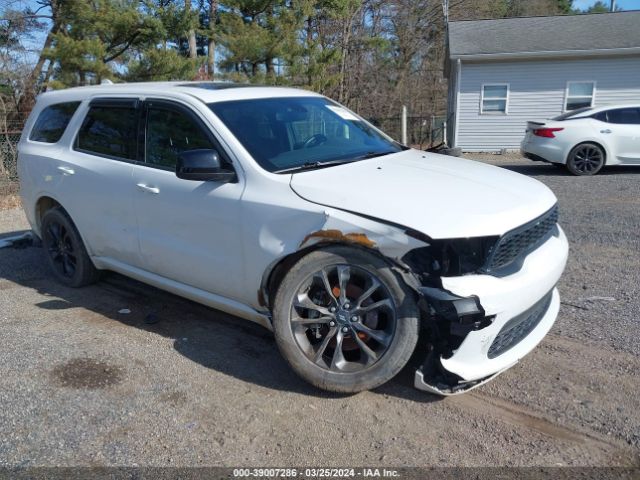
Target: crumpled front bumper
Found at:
500, 299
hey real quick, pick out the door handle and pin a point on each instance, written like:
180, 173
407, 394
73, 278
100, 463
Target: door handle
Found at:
146, 188
66, 170
605, 131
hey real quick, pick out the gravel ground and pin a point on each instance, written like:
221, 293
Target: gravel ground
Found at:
175, 383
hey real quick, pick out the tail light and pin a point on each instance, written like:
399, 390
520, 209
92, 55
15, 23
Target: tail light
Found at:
546, 132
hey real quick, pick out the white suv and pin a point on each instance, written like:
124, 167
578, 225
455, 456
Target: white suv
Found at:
282, 207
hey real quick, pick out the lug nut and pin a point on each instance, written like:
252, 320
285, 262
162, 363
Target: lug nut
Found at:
332, 323
354, 318
347, 306
345, 329
332, 309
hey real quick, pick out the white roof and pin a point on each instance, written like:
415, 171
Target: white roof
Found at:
600, 108
207, 92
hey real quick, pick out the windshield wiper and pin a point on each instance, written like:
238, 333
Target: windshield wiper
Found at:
316, 165
312, 166
372, 155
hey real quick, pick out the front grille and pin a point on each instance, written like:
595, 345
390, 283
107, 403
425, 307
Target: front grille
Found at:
519, 327
514, 244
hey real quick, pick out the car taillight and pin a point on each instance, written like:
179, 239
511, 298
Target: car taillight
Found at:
546, 132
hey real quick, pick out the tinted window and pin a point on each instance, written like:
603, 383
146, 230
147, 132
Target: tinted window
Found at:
111, 131
283, 133
629, 116
170, 133
52, 122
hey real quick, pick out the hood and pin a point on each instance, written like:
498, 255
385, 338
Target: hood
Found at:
438, 195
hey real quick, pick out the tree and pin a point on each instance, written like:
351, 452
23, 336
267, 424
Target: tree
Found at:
16, 81
372, 55
600, 7
253, 34
30, 20
93, 35
193, 52
565, 6
159, 64
212, 16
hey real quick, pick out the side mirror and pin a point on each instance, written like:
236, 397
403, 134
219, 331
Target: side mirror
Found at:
202, 165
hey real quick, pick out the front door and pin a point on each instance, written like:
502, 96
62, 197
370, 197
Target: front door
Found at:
188, 230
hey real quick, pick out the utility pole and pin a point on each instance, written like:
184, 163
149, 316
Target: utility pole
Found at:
613, 6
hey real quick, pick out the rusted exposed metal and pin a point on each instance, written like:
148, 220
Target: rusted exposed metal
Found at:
338, 236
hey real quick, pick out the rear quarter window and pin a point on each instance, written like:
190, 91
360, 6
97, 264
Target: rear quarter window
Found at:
624, 116
52, 122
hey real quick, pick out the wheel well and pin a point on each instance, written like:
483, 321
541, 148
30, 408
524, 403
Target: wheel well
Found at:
273, 278
43, 205
597, 144
276, 274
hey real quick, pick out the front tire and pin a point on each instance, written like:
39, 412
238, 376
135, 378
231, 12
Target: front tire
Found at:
65, 250
344, 321
585, 159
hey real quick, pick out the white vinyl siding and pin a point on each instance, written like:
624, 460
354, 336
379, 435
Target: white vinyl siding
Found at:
537, 90
494, 99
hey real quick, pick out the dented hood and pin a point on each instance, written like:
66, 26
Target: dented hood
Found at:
438, 195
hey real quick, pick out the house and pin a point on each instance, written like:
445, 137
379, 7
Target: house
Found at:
504, 72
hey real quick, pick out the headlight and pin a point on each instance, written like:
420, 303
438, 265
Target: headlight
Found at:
450, 258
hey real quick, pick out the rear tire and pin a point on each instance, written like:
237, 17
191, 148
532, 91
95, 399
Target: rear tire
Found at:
367, 320
585, 159
65, 250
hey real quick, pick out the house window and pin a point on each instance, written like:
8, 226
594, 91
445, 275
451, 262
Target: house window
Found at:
495, 98
579, 95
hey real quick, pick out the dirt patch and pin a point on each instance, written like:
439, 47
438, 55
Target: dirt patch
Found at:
87, 373
8, 202
174, 398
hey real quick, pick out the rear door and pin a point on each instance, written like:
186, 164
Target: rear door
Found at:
96, 178
189, 230
620, 129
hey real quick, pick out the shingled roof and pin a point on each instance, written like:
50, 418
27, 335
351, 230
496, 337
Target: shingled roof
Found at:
579, 34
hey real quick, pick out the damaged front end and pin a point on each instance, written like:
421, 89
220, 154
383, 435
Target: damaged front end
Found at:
423, 262
449, 318
459, 298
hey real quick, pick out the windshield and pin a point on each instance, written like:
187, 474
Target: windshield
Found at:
287, 133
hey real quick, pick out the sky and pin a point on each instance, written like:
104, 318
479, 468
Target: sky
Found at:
624, 4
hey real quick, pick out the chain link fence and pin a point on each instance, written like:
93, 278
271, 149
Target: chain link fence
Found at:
8, 160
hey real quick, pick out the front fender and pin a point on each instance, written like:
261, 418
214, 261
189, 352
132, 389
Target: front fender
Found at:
390, 241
